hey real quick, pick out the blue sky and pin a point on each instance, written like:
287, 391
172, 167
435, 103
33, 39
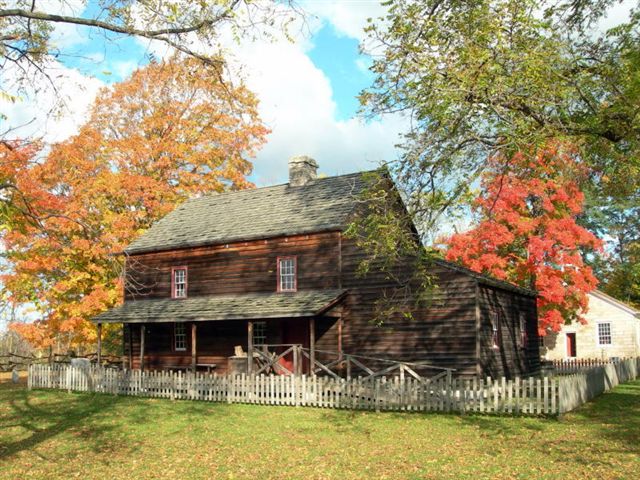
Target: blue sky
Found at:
339, 58
307, 88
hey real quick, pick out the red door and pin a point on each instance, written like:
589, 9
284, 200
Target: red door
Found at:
294, 331
571, 345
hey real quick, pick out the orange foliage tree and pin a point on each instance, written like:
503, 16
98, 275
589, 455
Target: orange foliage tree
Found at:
526, 232
172, 130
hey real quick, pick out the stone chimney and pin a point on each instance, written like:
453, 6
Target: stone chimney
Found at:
302, 170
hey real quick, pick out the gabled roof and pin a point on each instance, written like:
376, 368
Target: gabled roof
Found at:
224, 307
486, 279
323, 204
615, 302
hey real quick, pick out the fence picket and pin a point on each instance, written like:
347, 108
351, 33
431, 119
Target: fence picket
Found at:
532, 396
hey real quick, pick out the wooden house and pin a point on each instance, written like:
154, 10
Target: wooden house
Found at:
259, 270
612, 330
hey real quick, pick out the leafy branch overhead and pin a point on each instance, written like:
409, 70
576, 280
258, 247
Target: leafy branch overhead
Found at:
194, 28
500, 76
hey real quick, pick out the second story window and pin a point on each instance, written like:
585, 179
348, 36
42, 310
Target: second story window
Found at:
179, 282
287, 274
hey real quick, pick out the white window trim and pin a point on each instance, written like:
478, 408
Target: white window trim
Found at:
495, 335
604, 345
175, 336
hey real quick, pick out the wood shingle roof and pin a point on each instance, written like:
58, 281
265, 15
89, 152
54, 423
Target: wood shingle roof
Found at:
323, 204
306, 303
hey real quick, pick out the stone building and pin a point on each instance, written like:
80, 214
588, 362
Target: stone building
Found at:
612, 331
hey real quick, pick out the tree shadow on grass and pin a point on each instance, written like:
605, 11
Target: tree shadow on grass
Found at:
50, 418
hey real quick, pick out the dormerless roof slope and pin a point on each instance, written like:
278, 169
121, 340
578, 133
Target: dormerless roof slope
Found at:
321, 205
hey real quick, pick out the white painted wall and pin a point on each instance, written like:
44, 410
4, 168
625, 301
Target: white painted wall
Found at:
625, 332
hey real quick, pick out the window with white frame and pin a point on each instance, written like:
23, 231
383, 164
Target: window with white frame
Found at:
179, 337
523, 330
495, 335
604, 333
259, 333
179, 282
287, 281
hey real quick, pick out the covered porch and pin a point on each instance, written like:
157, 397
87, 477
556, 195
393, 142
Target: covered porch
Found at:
255, 333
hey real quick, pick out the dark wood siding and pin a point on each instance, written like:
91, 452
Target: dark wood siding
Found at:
505, 309
452, 330
442, 332
245, 267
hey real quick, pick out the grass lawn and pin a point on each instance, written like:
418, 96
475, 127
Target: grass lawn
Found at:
52, 434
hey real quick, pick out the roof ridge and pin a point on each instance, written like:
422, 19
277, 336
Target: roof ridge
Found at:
278, 185
323, 204
484, 277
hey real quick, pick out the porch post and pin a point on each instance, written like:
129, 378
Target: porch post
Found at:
340, 336
312, 345
99, 344
249, 347
193, 346
130, 332
142, 329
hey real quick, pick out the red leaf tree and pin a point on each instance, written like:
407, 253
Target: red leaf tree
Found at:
525, 232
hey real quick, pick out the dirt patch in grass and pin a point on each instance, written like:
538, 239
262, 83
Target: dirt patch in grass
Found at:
52, 434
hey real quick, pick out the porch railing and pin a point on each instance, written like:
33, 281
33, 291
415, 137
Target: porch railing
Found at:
271, 358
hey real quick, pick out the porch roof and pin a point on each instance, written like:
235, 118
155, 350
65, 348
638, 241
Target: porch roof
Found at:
305, 303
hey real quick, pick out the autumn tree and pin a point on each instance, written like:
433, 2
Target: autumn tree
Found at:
525, 232
171, 131
493, 77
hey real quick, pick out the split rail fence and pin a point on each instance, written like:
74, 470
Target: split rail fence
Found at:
530, 396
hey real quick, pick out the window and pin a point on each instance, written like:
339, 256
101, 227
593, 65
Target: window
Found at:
604, 334
287, 281
179, 337
179, 282
523, 330
259, 333
495, 337
541, 342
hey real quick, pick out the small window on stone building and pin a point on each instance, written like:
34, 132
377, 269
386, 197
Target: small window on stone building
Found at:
604, 334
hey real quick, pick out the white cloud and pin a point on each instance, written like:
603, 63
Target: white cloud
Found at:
349, 17
296, 103
38, 113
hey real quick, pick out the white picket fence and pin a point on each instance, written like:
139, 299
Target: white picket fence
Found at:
531, 396
578, 388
